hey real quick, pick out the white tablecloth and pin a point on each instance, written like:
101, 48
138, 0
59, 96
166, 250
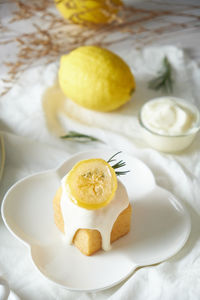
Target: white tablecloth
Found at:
31, 129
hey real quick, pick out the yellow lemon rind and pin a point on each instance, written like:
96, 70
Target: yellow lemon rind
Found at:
96, 78
74, 195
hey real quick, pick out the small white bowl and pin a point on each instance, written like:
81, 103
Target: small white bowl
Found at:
170, 142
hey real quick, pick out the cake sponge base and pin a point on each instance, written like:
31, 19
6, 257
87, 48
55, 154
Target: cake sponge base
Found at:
89, 241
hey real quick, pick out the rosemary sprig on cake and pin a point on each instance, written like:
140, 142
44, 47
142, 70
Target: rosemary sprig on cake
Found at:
164, 79
117, 165
74, 135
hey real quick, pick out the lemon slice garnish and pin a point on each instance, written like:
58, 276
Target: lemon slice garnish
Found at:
91, 183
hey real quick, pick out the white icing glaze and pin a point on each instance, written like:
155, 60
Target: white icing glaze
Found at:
102, 219
167, 116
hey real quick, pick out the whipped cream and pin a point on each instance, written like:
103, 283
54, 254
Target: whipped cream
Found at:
102, 219
168, 116
169, 124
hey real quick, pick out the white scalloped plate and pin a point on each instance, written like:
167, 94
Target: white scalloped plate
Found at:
160, 227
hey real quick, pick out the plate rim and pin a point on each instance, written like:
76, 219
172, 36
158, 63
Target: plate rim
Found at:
56, 171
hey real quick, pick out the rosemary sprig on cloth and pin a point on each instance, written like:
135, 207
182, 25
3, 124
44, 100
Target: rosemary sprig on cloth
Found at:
118, 164
164, 80
73, 135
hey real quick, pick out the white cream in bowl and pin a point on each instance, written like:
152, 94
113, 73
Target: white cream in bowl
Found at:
169, 124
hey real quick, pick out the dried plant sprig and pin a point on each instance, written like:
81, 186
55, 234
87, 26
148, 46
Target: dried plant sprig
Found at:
73, 135
28, 9
46, 43
118, 164
164, 80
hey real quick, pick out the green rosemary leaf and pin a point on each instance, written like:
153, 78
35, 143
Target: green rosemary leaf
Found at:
119, 173
164, 80
117, 165
112, 157
80, 137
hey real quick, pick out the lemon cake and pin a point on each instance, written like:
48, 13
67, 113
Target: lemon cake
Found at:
91, 207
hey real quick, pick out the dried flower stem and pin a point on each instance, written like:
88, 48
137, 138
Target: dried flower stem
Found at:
54, 36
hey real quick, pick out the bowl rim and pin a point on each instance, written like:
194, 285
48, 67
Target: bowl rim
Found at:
191, 131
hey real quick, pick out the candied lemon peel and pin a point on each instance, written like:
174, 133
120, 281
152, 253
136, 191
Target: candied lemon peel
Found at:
91, 183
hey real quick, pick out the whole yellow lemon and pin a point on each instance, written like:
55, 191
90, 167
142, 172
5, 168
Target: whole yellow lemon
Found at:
88, 12
96, 78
